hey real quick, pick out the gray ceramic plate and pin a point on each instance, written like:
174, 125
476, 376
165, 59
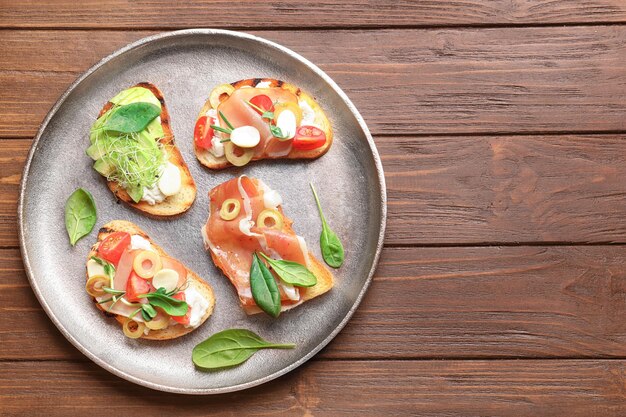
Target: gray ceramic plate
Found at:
186, 65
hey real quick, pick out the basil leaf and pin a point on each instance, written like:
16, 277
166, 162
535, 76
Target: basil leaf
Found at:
109, 269
131, 118
264, 288
332, 249
292, 272
80, 215
229, 348
170, 305
148, 312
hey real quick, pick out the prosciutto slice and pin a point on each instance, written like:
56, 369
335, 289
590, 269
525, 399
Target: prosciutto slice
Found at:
233, 242
240, 113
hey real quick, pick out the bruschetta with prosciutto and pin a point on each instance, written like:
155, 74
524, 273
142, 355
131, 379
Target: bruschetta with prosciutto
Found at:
260, 118
152, 295
249, 237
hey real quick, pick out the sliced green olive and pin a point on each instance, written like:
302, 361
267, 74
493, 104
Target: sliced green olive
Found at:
94, 285
270, 218
236, 155
230, 209
133, 329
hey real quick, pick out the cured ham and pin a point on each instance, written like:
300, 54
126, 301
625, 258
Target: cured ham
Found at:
239, 113
232, 242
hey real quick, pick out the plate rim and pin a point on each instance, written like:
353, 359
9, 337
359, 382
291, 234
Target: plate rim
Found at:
136, 44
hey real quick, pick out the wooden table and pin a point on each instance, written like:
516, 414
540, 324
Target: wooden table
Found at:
501, 125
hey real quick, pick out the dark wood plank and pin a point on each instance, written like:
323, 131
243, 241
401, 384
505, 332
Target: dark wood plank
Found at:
310, 14
427, 303
541, 79
323, 388
451, 190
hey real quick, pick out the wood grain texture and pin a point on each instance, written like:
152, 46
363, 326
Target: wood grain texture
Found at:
540, 79
427, 303
311, 14
451, 190
323, 388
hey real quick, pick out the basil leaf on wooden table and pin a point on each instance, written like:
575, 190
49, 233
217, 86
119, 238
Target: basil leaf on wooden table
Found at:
229, 348
80, 215
131, 118
170, 305
264, 288
332, 249
292, 272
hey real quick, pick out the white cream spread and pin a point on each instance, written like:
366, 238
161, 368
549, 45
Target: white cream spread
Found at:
153, 195
168, 184
308, 115
263, 84
139, 242
198, 305
217, 147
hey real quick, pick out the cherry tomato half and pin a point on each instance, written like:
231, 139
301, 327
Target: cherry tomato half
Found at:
309, 137
182, 319
135, 286
113, 246
262, 101
203, 133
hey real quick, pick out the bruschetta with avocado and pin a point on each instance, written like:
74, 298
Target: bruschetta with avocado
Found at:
260, 118
152, 295
133, 147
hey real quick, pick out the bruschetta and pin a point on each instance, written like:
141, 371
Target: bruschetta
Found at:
152, 295
133, 147
247, 225
260, 118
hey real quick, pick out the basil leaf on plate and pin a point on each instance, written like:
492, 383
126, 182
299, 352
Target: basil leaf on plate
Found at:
292, 272
80, 215
332, 249
229, 348
264, 288
131, 118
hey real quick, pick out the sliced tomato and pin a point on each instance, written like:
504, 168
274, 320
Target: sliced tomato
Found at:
187, 317
113, 246
135, 286
203, 133
262, 101
309, 137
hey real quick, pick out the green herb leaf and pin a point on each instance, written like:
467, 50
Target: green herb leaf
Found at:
131, 118
230, 348
170, 305
226, 120
221, 129
80, 215
148, 312
332, 249
277, 133
109, 290
292, 272
266, 114
109, 269
264, 288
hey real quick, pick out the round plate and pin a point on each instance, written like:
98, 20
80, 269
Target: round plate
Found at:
186, 65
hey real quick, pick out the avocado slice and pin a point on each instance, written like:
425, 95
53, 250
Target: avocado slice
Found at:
135, 193
103, 167
95, 152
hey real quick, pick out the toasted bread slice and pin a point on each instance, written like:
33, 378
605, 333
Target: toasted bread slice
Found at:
173, 205
195, 281
325, 278
209, 160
